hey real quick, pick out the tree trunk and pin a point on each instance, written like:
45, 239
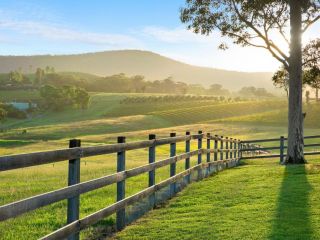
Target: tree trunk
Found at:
317, 94
295, 118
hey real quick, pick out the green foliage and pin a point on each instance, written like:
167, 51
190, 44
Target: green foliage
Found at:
81, 98
60, 80
39, 75
120, 83
311, 54
248, 23
57, 99
12, 112
281, 80
14, 79
254, 92
49, 69
312, 77
217, 89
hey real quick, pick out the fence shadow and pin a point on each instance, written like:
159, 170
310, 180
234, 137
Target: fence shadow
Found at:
292, 219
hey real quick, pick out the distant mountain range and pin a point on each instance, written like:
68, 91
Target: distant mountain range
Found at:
134, 62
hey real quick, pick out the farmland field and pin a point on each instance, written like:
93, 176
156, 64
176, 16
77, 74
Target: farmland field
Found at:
108, 117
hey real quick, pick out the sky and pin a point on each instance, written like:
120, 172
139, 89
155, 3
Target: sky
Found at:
77, 26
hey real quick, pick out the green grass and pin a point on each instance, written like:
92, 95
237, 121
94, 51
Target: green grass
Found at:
18, 95
258, 200
106, 119
276, 117
106, 115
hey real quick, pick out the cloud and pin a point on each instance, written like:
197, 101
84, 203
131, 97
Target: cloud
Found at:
176, 35
60, 33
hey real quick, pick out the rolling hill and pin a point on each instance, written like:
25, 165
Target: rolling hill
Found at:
133, 62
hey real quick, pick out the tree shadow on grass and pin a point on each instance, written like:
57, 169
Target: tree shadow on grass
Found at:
292, 219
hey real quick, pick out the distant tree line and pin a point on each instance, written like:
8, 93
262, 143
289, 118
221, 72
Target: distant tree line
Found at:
120, 83
254, 92
18, 80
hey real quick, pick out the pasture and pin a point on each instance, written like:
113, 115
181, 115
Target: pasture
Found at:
106, 118
257, 200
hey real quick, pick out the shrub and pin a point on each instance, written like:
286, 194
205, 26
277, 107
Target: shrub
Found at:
13, 112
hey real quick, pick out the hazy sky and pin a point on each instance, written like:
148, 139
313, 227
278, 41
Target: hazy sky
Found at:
77, 26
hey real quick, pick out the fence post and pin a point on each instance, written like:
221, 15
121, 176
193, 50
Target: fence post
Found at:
236, 153
227, 148
221, 148
215, 155
152, 173
239, 149
187, 163
281, 149
121, 187
200, 154
199, 147
172, 165
73, 178
231, 147
208, 147
152, 158
208, 153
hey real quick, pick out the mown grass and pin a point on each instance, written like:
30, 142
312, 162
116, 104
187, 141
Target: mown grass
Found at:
258, 200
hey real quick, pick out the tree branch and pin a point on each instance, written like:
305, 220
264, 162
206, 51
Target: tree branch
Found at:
309, 23
269, 44
310, 60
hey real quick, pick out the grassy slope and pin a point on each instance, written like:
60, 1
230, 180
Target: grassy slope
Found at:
276, 117
107, 115
258, 200
101, 123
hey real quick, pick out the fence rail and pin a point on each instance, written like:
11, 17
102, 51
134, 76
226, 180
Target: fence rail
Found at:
227, 148
249, 146
39, 158
220, 152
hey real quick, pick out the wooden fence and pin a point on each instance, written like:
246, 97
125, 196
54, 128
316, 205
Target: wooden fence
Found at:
224, 152
252, 150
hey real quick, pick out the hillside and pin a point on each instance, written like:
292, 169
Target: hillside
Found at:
133, 62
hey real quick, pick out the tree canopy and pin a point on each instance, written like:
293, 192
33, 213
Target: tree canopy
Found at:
249, 22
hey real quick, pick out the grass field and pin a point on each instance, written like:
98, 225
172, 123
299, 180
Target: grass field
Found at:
106, 119
258, 200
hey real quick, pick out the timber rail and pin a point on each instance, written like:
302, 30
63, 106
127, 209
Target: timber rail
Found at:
224, 152
221, 152
250, 146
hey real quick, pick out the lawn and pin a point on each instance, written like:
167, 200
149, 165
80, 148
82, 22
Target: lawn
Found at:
257, 200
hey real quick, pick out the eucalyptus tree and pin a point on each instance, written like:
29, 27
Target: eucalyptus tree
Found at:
311, 69
254, 23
